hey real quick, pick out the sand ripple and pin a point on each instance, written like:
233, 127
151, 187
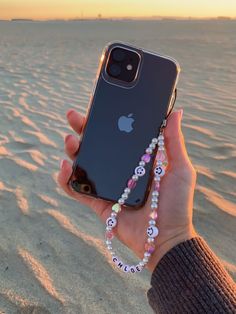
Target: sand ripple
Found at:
217, 200
47, 263
40, 273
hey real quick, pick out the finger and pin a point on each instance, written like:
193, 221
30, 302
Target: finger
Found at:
76, 120
174, 140
71, 146
101, 207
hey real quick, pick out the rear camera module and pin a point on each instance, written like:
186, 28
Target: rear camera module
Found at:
123, 64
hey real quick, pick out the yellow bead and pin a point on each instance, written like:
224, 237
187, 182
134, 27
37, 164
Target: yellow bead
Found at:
116, 208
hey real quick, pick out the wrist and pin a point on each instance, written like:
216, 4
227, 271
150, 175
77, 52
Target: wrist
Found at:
168, 244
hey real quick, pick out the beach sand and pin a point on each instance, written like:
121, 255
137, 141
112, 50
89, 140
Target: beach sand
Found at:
52, 257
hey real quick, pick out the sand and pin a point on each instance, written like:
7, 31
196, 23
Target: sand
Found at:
52, 257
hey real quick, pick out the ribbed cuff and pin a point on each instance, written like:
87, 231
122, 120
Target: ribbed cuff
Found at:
191, 279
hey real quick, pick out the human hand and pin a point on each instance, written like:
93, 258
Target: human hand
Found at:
175, 201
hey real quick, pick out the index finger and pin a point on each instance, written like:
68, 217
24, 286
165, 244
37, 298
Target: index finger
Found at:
76, 120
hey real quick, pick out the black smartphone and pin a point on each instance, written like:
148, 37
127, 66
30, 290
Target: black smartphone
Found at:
133, 94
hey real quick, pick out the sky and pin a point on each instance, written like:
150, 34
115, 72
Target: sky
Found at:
66, 9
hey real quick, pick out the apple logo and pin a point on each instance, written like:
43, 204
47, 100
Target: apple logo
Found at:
125, 123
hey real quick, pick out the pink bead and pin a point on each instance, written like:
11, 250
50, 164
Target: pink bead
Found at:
146, 158
160, 155
131, 184
154, 215
149, 247
109, 235
157, 186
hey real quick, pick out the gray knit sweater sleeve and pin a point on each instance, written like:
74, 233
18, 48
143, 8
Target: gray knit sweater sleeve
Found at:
191, 279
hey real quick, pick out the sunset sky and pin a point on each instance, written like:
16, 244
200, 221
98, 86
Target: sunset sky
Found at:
46, 9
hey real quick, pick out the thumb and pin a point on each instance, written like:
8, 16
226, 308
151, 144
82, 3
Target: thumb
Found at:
174, 140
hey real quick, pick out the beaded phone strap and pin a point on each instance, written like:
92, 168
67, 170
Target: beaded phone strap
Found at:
152, 230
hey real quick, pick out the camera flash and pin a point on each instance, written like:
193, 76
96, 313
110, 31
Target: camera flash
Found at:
129, 67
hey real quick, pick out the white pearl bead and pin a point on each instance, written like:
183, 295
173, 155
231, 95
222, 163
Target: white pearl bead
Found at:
111, 222
121, 201
142, 163
154, 140
154, 205
109, 247
150, 240
146, 254
140, 171
113, 214
125, 268
108, 242
154, 199
161, 148
160, 138
127, 190
124, 196
148, 150
157, 178
152, 222
108, 228
135, 177
155, 193
132, 269
152, 231
145, 260
160, 143
141, 264
112, 253
152, 146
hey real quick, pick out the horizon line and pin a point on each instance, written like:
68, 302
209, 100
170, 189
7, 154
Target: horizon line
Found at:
158, 17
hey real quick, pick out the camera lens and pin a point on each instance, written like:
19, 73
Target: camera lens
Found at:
114, 70
118, 55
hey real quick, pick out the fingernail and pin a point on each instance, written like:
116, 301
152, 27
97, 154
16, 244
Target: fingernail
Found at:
181, 113
67, 137
70, 112
62, 163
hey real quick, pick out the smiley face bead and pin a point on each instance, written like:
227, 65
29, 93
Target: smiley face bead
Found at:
111, 222
159, 171
139, 171
152, 231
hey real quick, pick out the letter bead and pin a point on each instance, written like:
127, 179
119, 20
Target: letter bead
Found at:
138, 268
115, 259
132, 269
125, 268
119, 264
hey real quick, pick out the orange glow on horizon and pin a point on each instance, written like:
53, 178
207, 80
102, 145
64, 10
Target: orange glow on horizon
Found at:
68, 9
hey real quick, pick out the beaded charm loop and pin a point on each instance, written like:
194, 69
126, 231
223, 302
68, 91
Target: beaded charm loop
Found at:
152, 230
